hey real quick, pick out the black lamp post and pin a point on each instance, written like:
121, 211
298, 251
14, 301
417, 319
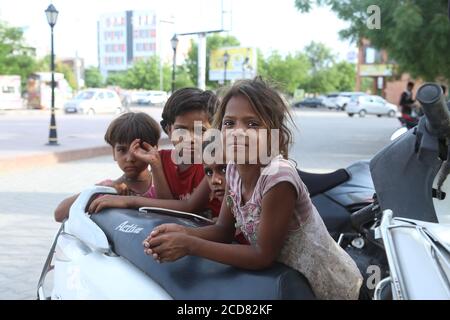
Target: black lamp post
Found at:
226, 57
52, 16
174, 43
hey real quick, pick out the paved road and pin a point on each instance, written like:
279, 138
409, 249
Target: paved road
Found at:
27, 133
325, 141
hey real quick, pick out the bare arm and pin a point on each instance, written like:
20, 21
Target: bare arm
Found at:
145, 152
62, 211
160, 182
222, 231
277, 210
196, 203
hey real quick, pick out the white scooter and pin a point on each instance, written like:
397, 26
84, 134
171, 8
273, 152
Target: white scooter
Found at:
403, 237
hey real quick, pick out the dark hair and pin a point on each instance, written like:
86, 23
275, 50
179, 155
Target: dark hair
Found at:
410, 84
186, 100
133, 125
267, 103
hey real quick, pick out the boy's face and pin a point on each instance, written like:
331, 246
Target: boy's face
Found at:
186, 122
131, 166
215, 174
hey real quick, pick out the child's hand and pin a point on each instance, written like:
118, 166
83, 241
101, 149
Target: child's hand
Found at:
145, 152
122, 189
168, 246
108, 201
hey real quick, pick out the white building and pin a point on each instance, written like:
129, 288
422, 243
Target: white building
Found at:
125, 37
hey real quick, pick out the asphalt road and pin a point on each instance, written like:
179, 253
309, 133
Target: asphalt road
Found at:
325, 141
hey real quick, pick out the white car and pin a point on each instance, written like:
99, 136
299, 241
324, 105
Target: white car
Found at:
92, 101
343, 98
153, 98
368, 104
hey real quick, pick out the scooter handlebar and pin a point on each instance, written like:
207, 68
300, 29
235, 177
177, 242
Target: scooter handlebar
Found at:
431, 97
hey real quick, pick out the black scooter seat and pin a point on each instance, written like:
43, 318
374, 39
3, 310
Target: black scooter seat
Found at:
193, 277
322, 182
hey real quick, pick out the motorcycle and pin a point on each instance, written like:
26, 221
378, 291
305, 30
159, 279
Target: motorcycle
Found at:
101, 256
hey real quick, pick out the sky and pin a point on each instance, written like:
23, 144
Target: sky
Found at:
265, 24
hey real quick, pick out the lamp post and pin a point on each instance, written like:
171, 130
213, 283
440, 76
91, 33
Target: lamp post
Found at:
52, 15
174, 43
226, 57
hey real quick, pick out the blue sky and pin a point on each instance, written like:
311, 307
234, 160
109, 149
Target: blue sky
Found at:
266, 24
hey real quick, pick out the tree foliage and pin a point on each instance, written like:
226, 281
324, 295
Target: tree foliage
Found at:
93, 78
415, 33
16, 58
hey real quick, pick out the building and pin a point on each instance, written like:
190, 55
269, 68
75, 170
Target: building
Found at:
376, 73
125, 37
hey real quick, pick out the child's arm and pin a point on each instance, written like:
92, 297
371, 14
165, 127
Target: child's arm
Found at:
62, 211
197, 202
145, 152
277, 210
222, 231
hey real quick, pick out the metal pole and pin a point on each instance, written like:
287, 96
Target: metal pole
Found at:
53, 137
201, 81
173, 69
225, 73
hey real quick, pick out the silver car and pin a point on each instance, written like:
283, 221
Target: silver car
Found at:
367, 104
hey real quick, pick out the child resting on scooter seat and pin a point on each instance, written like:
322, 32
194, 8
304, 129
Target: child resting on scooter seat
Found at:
121, 135
182, 186
266, 199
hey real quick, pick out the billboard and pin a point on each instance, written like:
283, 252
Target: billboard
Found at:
241, 63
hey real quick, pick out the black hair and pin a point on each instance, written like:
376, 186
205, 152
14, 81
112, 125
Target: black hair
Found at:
133, 125
186, 100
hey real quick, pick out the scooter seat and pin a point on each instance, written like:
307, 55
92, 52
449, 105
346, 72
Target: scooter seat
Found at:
321, 182
190, 277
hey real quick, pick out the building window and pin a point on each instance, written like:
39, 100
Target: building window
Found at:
153, 33
372, 56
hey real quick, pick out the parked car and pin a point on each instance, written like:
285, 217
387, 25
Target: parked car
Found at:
344, 98
366, 104
92, 101
309, 102
153, 98
328, 102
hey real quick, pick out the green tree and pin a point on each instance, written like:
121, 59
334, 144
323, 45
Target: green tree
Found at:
213, 41
415, 33
345, 74
288, 73
93, 78
117, 79
183, 78
16, 58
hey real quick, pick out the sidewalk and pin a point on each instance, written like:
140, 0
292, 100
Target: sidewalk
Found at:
24, 134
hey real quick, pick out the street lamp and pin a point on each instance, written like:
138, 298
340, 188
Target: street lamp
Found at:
226, 57
52, 16
174, 43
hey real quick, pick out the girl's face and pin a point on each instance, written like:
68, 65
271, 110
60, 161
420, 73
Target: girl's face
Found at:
131, 166
241, 127
215, 174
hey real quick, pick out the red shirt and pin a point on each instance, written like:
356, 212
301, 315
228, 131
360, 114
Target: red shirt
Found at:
182, 184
